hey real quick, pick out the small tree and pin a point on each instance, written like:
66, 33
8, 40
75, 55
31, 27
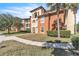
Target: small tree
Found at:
18, 23
7, 21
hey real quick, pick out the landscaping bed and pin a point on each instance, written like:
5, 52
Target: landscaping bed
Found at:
42, 37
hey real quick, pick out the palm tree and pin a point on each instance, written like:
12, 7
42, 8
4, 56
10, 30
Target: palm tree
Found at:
56, 6
66, 7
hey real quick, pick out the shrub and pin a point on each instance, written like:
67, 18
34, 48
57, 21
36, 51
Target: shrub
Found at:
27, 30
75, 42
63, 33
49, 41
57, 41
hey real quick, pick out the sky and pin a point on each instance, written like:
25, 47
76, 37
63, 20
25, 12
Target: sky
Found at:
22, 10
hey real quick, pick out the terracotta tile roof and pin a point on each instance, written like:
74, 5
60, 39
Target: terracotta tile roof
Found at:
49, 13
26, 19
37, 8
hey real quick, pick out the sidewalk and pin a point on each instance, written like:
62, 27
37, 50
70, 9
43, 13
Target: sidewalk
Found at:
5, 38
36, 43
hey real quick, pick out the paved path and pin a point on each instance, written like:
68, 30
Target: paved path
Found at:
53, 45
4, 38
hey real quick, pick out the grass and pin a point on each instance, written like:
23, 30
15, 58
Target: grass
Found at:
13, 33
13, 48
42, 37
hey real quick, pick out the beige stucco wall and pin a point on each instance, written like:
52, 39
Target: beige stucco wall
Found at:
41, 11
24, 22
36, 20
34, 25
70, 21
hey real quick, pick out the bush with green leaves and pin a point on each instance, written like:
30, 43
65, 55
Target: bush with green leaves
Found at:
27, 30
63, 33
75, 42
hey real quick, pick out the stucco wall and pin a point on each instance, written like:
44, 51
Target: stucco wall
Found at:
70, 21
24, 22
34, 25
48, 26
46, 22
54, 17
36, 20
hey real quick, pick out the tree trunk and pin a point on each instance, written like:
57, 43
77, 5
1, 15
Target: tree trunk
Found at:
8, 30
58, 24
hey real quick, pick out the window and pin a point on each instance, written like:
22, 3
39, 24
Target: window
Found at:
42, 19
33, 21
26, 25
42, 27
42, 24
38, 13
35, 14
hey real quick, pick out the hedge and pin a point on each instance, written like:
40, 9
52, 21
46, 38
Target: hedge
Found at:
63, 33
75, 42
27, 30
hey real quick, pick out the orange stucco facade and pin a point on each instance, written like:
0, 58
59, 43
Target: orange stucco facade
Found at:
49, 21
46, 19
42, 20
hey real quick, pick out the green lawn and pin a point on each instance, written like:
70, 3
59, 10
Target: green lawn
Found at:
42, 37
13, 48
13, 33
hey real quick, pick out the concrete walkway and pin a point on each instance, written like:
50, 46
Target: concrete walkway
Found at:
5, 38
36, 43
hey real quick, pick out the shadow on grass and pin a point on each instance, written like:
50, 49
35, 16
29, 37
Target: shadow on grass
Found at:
61, 52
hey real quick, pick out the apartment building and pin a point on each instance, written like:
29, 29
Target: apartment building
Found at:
34, 18
42, 20
26, 24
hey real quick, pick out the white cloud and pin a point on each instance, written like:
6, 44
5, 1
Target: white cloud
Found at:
22, 12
